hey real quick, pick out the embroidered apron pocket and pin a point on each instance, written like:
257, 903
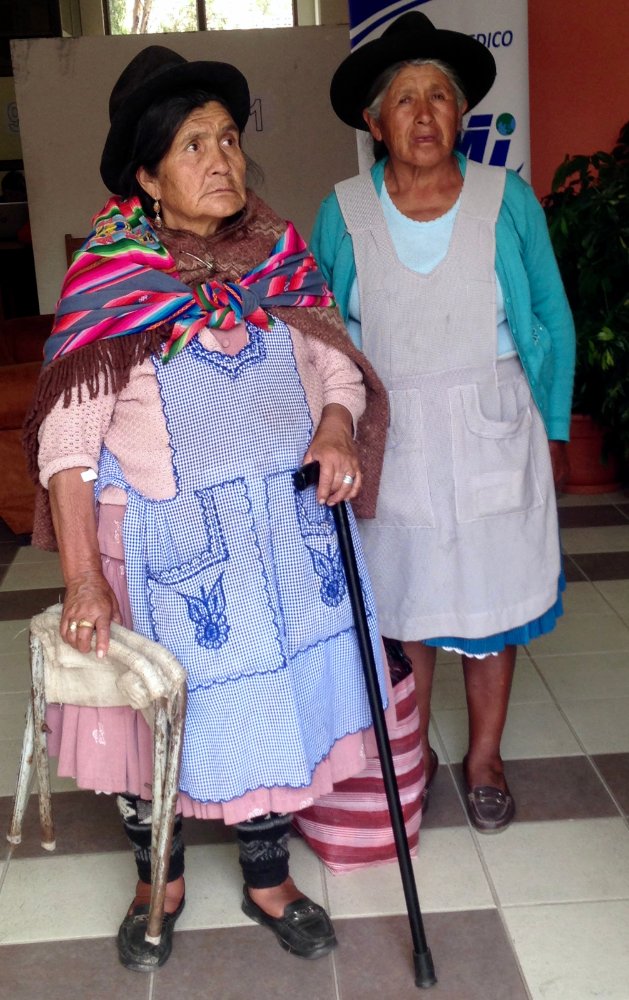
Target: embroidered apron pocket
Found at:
311, 586
492, 446
217, 606
404, 463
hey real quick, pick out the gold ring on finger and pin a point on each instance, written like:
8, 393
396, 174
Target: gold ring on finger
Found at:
84, 623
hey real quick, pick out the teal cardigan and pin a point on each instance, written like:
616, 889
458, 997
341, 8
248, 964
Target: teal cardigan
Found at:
535, 301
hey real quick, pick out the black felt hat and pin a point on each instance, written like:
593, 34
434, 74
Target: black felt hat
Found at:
411, 36
154, 73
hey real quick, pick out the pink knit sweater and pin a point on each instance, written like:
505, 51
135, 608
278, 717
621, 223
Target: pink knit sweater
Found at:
131, 424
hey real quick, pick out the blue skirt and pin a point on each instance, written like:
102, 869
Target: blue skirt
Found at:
519, 636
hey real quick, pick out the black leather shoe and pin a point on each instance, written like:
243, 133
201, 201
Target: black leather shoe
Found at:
137, 954
305, 929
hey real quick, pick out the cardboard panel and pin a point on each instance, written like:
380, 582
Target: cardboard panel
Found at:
63, 86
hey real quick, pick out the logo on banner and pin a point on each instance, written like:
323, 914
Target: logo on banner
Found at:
495, 39
480, 142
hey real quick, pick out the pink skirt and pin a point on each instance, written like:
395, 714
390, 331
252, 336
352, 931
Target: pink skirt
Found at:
110, 749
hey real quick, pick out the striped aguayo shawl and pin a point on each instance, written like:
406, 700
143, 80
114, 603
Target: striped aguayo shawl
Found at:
123, 301
124, 281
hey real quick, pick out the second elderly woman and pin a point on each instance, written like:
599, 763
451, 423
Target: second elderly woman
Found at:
197, 361
444, 272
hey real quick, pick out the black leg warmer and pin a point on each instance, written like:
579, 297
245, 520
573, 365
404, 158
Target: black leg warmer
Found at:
136, 818
263, 847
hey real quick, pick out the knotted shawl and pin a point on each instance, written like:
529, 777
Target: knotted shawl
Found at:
132, 292
124, 281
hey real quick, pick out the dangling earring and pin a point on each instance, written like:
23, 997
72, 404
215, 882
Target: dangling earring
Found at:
158, 218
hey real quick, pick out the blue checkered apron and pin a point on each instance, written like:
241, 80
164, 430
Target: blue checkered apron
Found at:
240, 576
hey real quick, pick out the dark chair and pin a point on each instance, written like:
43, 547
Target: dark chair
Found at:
21, 350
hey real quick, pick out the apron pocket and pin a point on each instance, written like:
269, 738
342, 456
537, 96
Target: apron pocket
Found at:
206, 610
494, 468
311, 585
404, 499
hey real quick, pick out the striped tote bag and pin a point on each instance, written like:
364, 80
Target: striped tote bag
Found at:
350, 828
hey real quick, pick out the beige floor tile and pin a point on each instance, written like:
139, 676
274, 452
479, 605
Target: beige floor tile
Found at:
14, 636
586, 676
31, 576
10, 755
532, 730
527, 683
214, 888
584, 598
15, 671
448, 874
575, 951
13, 707
31, 569
28, 555
616, 593
58, 898
563, 861
613, 538
602, 726
582, 634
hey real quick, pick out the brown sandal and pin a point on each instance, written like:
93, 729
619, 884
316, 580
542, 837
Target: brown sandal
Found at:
489, 808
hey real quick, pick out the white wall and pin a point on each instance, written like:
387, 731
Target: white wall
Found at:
63, 87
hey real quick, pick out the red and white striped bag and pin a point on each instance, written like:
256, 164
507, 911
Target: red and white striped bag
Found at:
350, 828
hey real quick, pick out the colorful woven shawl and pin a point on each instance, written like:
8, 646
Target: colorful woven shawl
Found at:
123, 281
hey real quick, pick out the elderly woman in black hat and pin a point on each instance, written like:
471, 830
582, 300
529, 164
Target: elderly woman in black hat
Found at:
197, 360
445, 275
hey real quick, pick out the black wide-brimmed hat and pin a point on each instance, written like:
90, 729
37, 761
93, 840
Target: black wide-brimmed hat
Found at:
154, 73
411, 36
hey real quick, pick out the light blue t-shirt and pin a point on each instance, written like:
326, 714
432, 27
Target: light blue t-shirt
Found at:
420, 246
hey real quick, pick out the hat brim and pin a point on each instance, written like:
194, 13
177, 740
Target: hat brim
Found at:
351, 84
219, 79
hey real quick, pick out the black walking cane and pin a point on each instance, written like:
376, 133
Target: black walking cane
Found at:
425, 976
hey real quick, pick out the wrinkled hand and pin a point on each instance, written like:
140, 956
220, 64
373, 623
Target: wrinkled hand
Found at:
89, 599
560, 462
334, 449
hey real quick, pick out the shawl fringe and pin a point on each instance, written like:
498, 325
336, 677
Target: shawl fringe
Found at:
104, 366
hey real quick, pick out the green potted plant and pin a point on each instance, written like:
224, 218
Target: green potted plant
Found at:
588, 218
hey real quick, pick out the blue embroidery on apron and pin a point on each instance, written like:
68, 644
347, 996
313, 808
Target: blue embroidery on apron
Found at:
330, 569
208, 614
224, 575
232, 365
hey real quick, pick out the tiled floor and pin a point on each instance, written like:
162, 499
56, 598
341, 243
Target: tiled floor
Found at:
540, 911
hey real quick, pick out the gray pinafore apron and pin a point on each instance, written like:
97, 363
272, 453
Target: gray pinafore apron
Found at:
465, 539
240, 576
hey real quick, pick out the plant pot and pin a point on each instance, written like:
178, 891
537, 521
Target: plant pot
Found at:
589, 472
